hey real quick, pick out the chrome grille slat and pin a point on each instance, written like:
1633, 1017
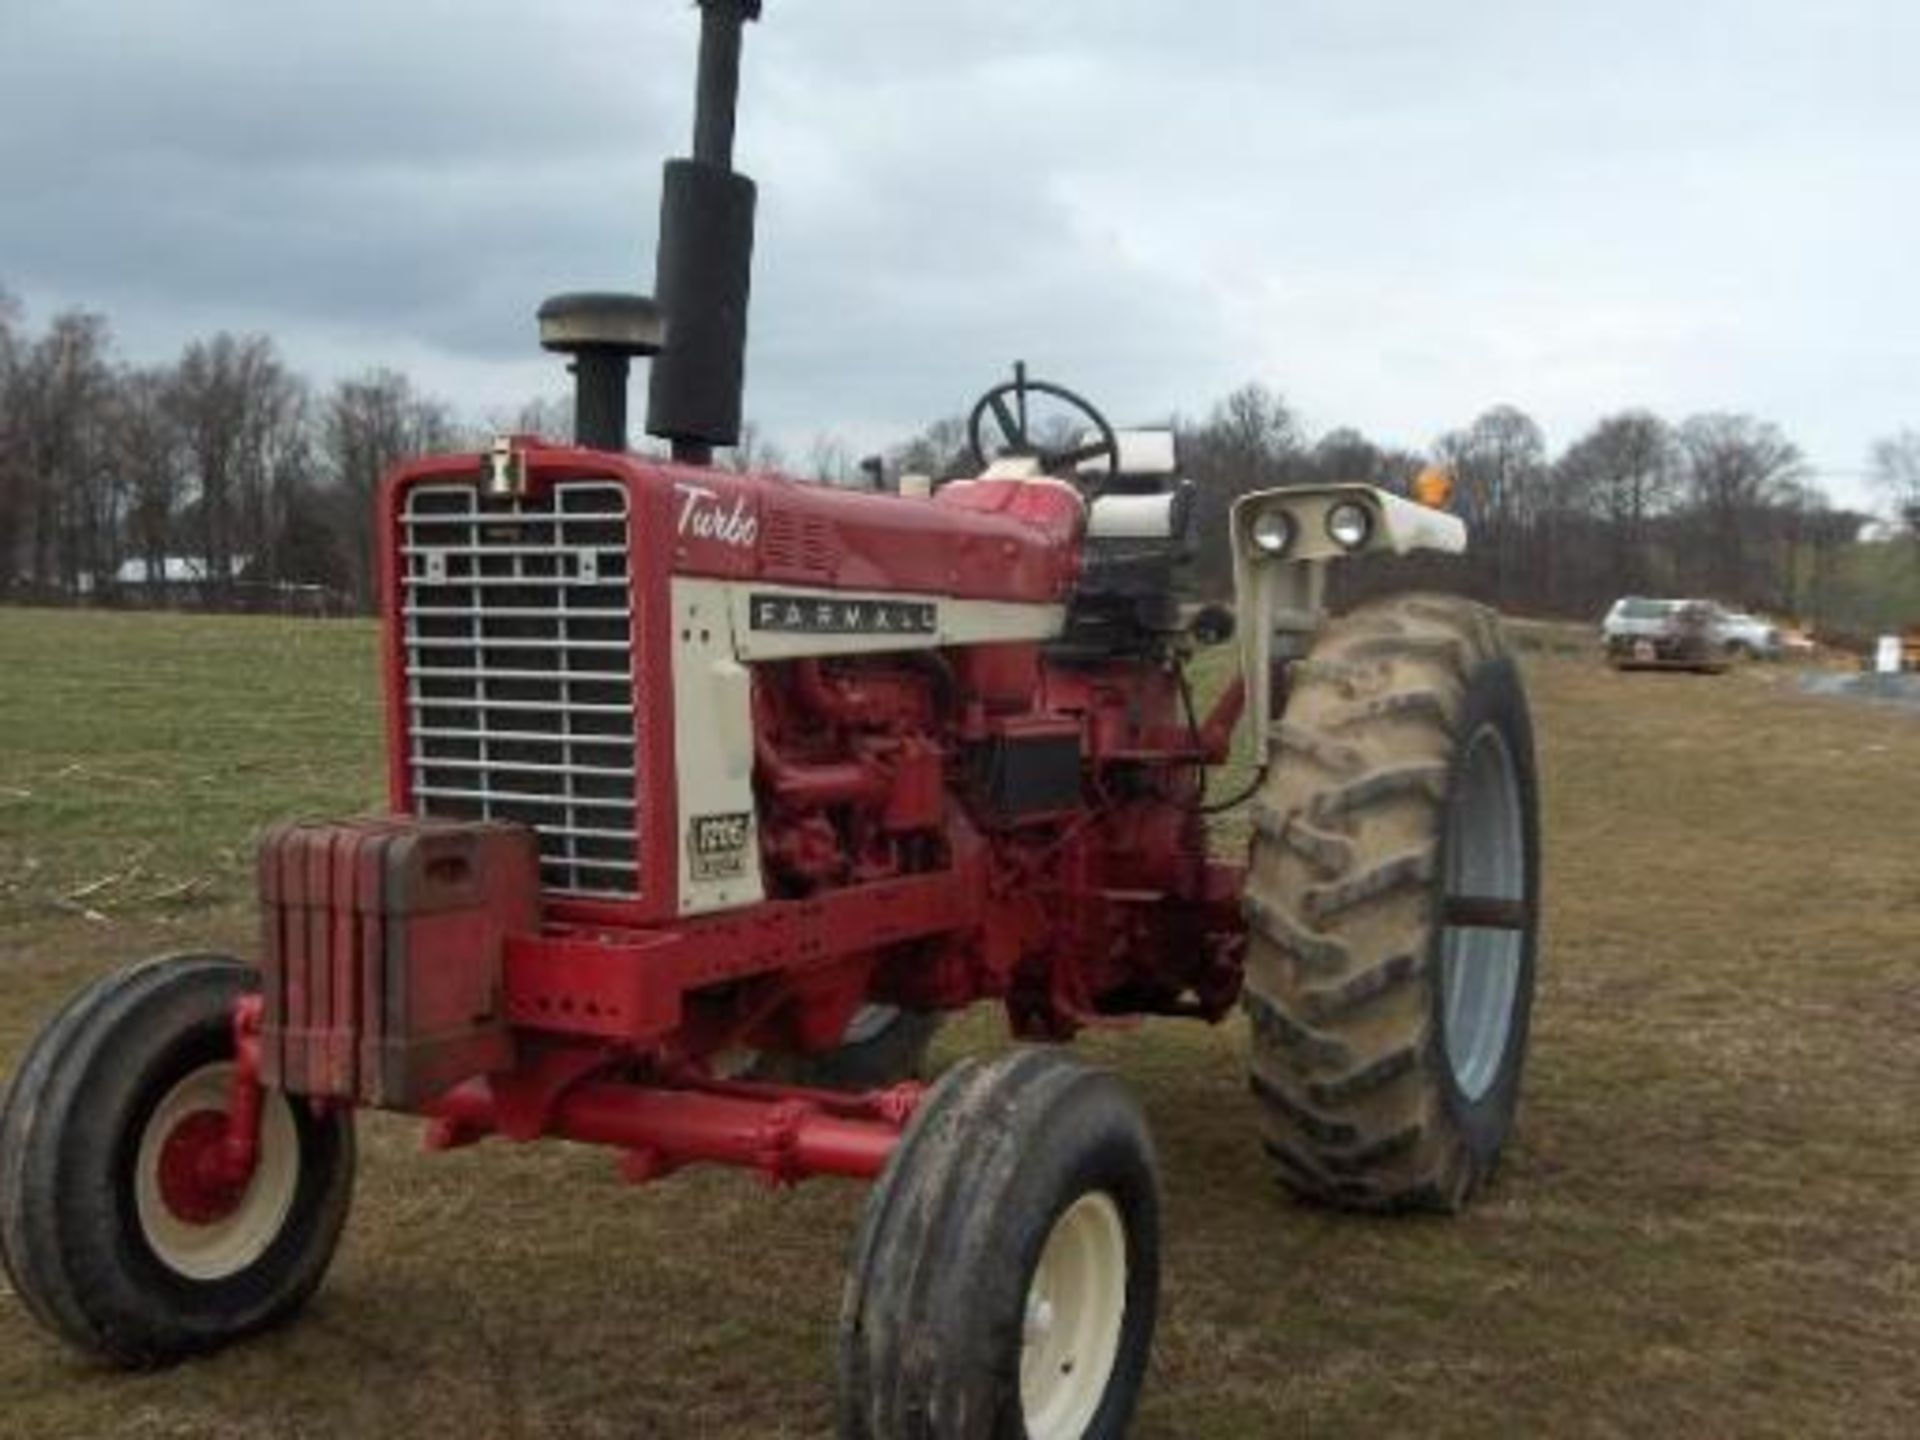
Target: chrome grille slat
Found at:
515, 610
530, 737
522, 797
484, 672
601, 548
453, 762
509, 612
559, 582
469, 703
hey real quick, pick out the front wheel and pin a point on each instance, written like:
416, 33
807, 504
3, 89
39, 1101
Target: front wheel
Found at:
1006, 1273
114, 1227
1393, 909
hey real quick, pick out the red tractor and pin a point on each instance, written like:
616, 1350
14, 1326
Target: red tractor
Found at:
711, 792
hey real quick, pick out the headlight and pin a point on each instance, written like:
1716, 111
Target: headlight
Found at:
1272, 532
1349, 524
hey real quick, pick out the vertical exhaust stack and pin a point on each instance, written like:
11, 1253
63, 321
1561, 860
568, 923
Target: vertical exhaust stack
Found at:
704, 266
697, 330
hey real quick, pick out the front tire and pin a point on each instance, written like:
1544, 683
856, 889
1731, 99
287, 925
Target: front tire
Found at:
1393, 907
108, 1230
1006, 1274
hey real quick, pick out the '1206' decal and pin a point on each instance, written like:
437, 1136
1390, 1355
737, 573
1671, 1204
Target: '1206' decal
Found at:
717, 846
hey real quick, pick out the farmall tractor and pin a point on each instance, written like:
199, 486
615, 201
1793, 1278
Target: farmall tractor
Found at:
710, 792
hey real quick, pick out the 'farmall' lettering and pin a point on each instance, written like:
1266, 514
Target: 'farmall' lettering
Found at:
705, 516
802, 615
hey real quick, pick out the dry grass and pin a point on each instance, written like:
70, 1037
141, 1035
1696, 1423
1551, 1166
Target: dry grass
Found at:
1708, 1224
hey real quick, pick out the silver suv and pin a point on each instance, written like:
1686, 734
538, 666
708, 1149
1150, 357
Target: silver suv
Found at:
1666, 634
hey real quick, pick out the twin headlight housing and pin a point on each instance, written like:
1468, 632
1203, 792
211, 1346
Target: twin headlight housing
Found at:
1348, 523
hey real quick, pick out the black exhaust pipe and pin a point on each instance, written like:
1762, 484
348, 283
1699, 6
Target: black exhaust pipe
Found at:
704, 266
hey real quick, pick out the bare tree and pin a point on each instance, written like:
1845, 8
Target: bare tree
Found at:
1250, 441
1345, 456
755, 453
548, 416
829, 460
1624, 471
368, 426
1500, 463
62, 384
1895, 465
149, 456
13, 474
1735, 468
242, 417
939, 451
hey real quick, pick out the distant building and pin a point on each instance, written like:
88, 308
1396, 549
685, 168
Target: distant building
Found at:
1877, 532
178, 580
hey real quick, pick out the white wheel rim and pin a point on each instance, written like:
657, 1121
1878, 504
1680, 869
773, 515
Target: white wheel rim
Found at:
870, 1022
221, 1248
1076, 1302
1479, 967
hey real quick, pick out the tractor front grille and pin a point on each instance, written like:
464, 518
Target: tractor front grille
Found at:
519, 671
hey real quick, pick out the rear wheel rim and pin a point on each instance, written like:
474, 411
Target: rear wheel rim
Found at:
1480, 965
870, 1022
1076, 1304
195, 1229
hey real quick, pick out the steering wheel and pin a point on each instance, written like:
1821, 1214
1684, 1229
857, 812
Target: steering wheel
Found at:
1011, 422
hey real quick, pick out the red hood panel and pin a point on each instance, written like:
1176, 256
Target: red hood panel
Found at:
980, 539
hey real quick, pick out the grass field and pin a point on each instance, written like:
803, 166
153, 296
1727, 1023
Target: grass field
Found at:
1709, 1224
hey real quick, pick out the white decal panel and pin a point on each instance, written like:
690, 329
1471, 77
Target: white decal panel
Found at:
713, 753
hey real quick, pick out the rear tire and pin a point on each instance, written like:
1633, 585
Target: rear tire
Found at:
1006, 1274
884, 1045
1389, 1015
104, 1230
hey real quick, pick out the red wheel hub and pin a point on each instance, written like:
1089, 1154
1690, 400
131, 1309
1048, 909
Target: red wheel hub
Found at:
192, 1165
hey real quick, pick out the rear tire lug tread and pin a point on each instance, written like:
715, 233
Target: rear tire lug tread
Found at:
1333, 756
1306, 1181
1327, 852
1411, 870
1322, 1129
1303, 1045
1436, 650
1348, 681
1364, 1159
1312, 953
1426, 781
1329, 1003
1427, 706
1367, 1079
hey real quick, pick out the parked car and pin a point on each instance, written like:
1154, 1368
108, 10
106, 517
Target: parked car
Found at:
1665, 634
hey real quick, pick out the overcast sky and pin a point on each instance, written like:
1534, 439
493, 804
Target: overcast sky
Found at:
1397, 213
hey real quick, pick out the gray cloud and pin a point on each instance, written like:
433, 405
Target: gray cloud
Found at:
1397, 213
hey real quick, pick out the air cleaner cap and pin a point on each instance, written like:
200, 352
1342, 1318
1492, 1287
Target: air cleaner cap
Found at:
602, 320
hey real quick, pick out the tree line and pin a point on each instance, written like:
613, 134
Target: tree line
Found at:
1716, 505
224, 460
227, 461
